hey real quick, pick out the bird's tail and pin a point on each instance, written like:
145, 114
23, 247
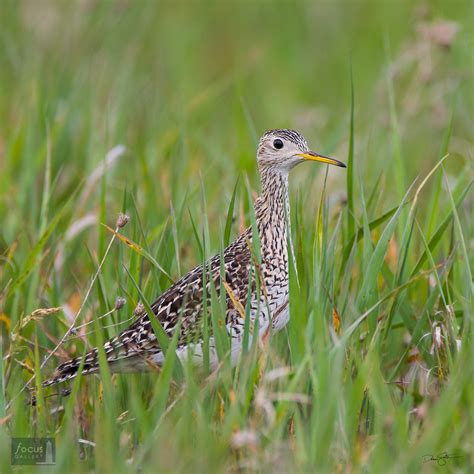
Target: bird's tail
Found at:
70, 369
124, 353
121, 356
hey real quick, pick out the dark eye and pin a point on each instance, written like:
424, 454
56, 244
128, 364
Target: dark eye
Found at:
278, 144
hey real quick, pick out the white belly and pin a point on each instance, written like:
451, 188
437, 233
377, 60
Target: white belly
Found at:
280, 315
195, 350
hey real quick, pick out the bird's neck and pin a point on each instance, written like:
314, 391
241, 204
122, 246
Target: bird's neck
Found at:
273, 206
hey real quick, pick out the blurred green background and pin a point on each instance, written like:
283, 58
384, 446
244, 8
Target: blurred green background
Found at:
167, 79
150, 106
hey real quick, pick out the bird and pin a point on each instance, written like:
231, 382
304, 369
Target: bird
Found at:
260, 286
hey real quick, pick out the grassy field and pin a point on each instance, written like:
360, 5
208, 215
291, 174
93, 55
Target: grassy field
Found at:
155, 109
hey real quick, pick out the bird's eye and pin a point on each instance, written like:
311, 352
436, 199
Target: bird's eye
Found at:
278, 144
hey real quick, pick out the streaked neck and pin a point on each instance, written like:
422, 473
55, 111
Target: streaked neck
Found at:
273, 206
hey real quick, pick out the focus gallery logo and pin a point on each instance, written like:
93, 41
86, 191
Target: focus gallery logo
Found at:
33, 451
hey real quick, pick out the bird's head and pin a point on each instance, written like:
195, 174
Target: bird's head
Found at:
281, 150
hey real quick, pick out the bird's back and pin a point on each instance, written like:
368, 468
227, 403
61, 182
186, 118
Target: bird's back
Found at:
136, 348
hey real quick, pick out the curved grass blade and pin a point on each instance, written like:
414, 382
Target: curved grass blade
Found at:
35, 252
367, 291
140, 250
230, 216
160, 333
434, 241
372, 225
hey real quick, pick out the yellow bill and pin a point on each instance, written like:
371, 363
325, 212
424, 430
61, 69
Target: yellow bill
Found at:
310, 155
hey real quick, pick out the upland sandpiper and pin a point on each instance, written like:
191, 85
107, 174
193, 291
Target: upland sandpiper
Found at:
137, 349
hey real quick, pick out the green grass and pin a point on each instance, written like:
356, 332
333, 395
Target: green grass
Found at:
187, 88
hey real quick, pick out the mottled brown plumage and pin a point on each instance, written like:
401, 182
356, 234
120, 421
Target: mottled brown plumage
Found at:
136, 348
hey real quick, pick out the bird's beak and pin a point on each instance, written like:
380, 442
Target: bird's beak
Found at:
310, 155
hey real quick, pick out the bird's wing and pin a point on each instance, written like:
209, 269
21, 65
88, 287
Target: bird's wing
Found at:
135, 346
184, 300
